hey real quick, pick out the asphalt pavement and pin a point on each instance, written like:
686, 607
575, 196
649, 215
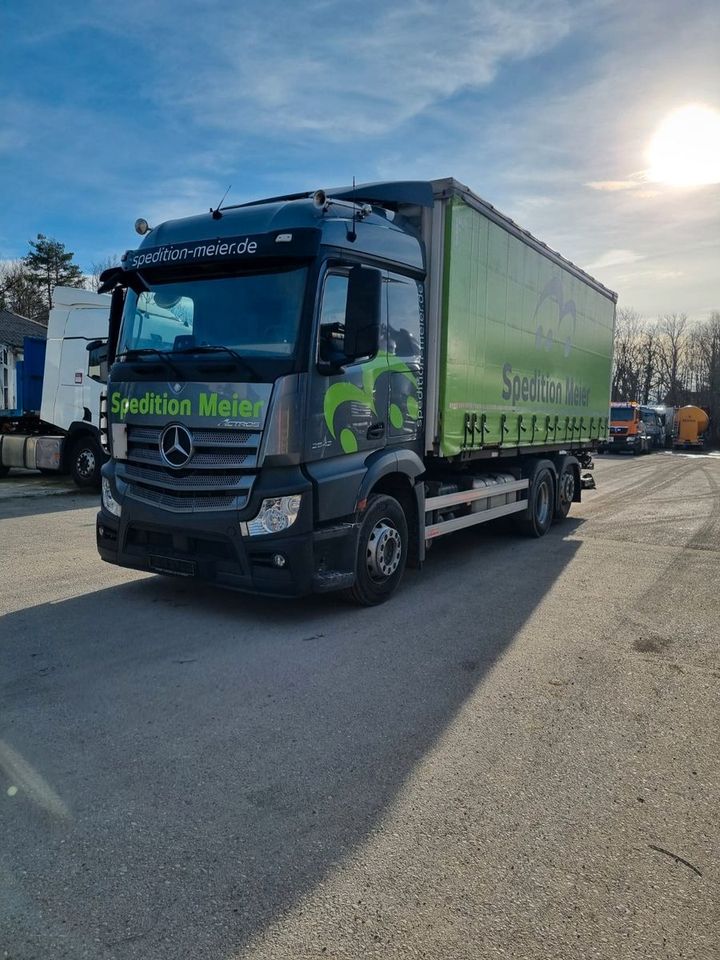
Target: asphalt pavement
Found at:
517, 757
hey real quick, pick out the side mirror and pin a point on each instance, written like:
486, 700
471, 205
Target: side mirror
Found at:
117, 303
362, 313
98, 360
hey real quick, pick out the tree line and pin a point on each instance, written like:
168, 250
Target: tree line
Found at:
26, 285
670, 361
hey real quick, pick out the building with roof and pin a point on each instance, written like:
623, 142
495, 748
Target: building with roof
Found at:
13, 330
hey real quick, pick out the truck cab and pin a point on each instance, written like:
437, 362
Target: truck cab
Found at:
57, 428
634, 428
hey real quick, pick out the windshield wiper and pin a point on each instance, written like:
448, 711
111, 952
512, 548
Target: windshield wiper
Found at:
151, 351
220, 348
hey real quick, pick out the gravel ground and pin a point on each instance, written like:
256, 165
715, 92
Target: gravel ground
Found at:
517, 757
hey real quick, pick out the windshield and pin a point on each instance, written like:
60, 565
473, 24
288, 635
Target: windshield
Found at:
622, 413
255, 314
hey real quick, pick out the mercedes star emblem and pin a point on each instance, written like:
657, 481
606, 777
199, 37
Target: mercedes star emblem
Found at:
176, 446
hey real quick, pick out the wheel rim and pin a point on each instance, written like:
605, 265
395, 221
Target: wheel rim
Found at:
542, 504
85, 464
384, 550
567, 488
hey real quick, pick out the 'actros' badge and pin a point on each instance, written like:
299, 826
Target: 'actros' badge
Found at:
176, 446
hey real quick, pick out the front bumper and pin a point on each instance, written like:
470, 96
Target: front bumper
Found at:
621, 442
209, 547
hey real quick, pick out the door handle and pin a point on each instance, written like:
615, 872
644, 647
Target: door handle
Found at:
375, 431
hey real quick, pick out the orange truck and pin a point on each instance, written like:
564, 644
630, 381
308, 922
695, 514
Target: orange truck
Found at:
633, 427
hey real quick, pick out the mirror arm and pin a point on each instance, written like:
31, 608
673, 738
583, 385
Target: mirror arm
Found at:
329, 369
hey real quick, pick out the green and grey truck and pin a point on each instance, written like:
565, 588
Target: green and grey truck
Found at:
306, 391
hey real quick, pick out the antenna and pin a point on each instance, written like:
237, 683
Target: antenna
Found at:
352, 234
216, 215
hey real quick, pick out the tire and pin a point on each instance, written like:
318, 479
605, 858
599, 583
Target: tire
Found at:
536, 520
381, 552
565, 493
86, 458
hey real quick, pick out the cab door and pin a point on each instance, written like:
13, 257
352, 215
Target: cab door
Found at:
404, 335
348, 409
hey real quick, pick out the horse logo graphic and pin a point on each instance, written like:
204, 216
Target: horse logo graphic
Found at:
344, 392
544, 339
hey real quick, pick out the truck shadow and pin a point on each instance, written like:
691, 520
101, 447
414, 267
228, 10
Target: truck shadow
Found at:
217, 756
23, 506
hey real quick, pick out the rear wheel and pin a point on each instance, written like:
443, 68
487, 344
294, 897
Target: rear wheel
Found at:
536, 520
381, 553
566, 492
85, 461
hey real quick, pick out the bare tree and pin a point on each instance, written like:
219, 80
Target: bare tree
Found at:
648, 349
671, 347
18, 293
93, 281
626, 368
707, 340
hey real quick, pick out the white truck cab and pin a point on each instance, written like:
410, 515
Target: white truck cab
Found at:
65, 436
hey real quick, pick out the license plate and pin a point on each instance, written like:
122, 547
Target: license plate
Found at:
181, 568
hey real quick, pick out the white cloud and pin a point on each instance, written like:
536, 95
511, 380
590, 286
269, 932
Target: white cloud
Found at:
332, 74
613, 185
612, 258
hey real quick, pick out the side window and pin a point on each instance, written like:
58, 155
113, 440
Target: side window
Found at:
332, 316
404, 334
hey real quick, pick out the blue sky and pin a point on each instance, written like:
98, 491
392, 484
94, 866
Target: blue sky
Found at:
545, 109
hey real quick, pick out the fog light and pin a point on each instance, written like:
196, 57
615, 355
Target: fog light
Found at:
279, 560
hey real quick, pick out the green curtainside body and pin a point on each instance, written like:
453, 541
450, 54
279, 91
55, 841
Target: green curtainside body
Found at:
526, 343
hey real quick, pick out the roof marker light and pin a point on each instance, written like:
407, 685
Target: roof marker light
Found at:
142, 226
283, 238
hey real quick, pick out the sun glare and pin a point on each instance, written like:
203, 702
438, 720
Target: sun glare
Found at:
685, 148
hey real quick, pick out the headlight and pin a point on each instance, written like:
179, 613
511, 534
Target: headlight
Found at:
109, 501
275, 515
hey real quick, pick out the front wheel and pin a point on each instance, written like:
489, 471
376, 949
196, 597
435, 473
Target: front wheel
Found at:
85, 461
381, 552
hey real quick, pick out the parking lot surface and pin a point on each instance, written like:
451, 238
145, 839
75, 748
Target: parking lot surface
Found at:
516, 757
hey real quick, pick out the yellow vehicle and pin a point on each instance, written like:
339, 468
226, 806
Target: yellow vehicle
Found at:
690, 426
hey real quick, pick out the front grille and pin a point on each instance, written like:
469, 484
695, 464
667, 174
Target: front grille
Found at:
192, 503
218, 476
143, 454
180, 480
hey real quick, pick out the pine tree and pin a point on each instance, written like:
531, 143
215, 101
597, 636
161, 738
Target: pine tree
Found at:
48, 265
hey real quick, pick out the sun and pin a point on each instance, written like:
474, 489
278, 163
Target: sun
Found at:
685, 148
